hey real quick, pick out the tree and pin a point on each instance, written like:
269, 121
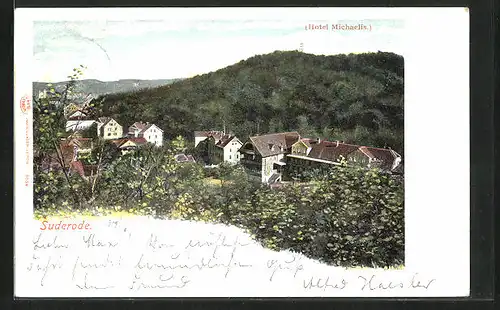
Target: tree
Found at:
102, 156
49, 129
131, 176
267, 93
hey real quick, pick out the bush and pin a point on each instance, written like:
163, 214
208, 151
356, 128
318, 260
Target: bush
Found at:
342, 216
351, 217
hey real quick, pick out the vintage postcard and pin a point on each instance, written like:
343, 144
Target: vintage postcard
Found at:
241, 152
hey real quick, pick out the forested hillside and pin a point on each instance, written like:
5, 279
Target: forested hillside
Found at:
357, 98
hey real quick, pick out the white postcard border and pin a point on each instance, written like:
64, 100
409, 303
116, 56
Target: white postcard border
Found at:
436, 127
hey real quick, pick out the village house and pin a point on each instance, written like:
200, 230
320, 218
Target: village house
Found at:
200, 136
127, 145
108, 128
72, 152
265, 155
218, 147
152, 133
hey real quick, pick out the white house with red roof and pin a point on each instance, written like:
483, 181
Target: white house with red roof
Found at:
152, 133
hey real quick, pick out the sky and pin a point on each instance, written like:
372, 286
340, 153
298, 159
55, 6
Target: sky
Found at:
165, 49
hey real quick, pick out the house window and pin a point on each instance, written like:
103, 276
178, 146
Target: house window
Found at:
229, 156
109, 134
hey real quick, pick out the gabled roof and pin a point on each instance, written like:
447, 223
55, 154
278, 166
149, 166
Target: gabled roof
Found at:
72, 114
139, 140
103, 119
151, 125
385, 157
142, 127
182, 158
331, 151
306, 141
274, 144
120, 142
224, 140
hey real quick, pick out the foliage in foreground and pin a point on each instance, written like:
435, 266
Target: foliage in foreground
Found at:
349, 217
352, 217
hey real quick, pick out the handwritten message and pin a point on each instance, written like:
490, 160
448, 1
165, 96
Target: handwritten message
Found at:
150, 257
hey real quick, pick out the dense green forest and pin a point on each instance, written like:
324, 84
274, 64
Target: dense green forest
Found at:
356, 98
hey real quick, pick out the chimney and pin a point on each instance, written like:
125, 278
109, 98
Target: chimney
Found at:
319, 140
337, 143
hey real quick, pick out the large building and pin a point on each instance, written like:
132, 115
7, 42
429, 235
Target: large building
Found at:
313, 153
265, 155
152, 133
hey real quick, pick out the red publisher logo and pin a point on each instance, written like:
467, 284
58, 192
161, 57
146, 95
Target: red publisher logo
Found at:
25, 104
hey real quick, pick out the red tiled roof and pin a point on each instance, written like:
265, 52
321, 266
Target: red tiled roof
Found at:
385, 157
139, 140
331, 151
120, 142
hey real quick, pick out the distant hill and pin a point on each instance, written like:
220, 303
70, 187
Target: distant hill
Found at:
356, 98
97, 87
